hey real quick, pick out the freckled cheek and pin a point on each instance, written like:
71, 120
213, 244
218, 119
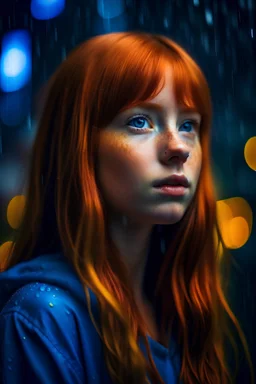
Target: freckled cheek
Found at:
118, 164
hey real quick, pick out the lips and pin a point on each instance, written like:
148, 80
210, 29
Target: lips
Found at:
174, 180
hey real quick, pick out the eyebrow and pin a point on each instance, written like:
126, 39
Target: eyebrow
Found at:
159, 108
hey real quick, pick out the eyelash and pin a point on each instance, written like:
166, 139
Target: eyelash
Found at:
147, 117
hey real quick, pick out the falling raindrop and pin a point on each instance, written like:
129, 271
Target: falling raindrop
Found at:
208, 17
67, 312
51, 305
24, 337
166, 22
38, 295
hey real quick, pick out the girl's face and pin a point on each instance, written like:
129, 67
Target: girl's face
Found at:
143, 145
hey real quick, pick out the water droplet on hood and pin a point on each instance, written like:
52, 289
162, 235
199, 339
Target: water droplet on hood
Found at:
48, 289
42, 289
38, 295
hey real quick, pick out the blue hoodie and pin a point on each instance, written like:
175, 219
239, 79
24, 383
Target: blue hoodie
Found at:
46, 333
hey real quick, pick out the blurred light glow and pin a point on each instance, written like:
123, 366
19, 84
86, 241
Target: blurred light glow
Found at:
15, 62
208, 17
239, 232
235, 219
250, 153
46, 9
109, 9
240, 207
15, 211
5, 249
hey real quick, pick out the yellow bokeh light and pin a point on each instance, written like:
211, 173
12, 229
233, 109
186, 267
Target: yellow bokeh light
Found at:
239, 232
240, 207
15, 211
250, 153
235, 218
4, 252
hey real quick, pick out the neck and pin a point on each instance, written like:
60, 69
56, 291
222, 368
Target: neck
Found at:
132, 242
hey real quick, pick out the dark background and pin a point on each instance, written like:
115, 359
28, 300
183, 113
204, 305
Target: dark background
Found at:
220, 35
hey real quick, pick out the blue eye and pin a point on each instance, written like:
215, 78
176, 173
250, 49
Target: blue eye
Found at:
139, 122
189, 125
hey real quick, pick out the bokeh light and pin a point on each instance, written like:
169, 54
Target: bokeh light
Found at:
4, 252
15, 211
235, 220
250, 153
238, 231
46, 9
15, 64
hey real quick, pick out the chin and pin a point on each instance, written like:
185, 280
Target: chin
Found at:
168, 215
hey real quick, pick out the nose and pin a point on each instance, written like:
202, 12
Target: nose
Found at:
173, 149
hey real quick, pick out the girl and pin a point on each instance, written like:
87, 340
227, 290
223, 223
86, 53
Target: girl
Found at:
114, 275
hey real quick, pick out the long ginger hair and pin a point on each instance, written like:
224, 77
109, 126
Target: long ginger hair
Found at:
65, 210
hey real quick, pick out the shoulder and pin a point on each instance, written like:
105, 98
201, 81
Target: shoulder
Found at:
37, 328
47, 310
37, 300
